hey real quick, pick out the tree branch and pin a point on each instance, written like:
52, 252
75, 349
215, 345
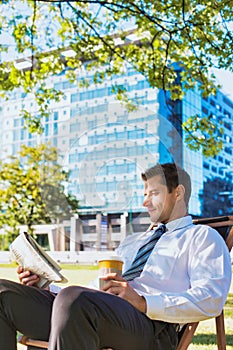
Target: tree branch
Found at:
32, 37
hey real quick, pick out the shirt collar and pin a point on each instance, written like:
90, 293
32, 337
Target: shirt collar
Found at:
173, 225
179, 223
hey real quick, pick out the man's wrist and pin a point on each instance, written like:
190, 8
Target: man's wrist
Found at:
143, 305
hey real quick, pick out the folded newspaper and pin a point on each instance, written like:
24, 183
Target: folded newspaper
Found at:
29, 254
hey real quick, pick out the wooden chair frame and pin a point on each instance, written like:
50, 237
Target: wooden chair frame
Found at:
218, 223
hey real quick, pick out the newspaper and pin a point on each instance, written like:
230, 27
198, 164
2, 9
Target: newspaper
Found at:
29, 254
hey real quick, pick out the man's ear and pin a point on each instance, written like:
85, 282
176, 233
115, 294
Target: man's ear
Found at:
180, 191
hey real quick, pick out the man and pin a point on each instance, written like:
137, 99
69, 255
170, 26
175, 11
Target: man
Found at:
184, 276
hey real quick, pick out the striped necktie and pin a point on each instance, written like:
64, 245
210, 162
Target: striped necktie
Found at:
143, 254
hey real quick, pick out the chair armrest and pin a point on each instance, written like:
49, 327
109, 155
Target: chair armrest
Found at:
32, 342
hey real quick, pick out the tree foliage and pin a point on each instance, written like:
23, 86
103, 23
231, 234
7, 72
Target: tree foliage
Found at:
32, 189
206, 134
155, 37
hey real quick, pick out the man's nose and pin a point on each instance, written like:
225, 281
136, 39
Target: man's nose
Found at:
146, 201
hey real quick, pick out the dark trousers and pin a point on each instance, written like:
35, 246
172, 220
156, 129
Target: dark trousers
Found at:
80, 319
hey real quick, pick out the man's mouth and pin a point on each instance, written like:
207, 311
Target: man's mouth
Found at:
151, 210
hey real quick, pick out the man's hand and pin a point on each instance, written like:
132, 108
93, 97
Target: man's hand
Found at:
117, 285
26, 277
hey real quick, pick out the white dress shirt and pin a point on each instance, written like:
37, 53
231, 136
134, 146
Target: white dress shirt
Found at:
188, 274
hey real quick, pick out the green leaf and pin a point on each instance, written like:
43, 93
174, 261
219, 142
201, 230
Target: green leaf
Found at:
32, 189
155, 38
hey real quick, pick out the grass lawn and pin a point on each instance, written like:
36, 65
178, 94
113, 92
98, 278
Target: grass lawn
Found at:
204, 338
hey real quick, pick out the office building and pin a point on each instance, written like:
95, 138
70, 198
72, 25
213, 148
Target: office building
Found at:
105, 147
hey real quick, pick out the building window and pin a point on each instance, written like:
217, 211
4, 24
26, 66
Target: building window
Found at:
228, 150
214, 169
55, 116
212, 103
205, 110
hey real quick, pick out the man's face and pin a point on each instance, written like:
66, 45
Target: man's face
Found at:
159, 202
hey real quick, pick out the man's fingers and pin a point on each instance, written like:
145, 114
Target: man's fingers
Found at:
116, 290
113, 276
26, 277
24, 274
31, 280
19, 269
114, 284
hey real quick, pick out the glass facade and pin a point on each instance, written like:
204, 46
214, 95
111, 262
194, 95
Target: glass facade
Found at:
105, 147
193, 161
221, 109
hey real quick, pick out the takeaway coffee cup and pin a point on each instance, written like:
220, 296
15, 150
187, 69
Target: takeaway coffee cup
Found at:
111, 264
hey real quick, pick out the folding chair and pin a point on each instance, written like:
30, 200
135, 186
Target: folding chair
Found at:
224, 225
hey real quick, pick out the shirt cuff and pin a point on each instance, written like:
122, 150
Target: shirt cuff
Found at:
155, 308
54, 289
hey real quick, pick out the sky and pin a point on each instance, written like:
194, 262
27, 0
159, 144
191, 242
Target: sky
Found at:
225, 78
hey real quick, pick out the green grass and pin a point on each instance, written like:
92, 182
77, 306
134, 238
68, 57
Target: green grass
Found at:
79, 267
63, 266
205, 335
13, 264
228, 310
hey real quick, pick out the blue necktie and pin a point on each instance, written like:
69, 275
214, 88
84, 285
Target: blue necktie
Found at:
143, 254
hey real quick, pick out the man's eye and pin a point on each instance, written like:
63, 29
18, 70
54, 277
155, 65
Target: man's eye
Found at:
154, 193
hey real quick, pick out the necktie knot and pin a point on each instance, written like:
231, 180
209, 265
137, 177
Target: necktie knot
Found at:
161, 227
143, 254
